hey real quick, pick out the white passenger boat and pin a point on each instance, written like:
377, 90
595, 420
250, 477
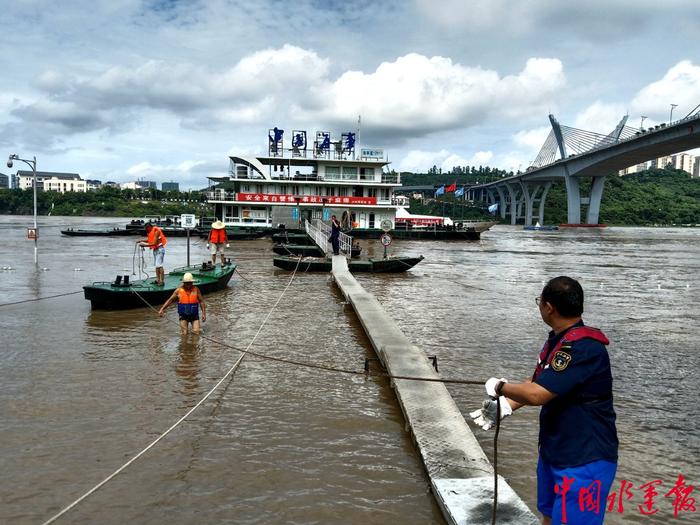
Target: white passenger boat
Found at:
300, 182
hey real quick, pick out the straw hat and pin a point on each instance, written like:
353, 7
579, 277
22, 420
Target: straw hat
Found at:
187, 278
218, 225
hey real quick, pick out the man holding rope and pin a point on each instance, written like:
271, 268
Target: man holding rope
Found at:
156, 241
572, 383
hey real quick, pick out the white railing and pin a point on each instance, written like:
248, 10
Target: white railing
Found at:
319, 231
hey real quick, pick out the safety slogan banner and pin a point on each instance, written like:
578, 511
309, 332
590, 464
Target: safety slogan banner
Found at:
265, 198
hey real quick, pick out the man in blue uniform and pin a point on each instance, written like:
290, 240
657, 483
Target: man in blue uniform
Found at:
573, 384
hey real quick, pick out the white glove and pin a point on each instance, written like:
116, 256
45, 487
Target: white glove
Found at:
485, 417
491, 385
228, 245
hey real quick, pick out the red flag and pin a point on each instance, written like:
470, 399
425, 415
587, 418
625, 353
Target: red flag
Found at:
451, 187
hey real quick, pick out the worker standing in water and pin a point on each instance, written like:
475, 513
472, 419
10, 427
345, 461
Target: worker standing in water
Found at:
189, 301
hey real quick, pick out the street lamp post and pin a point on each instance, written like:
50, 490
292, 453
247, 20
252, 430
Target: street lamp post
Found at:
641, 125
670, 117
31, 163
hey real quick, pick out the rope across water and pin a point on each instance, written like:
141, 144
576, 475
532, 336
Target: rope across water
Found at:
234, 367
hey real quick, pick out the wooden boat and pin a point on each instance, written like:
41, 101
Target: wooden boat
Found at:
298, 249
322, 264
238, 234
463, 231
292, 238
114, 232
545, 228
123, 294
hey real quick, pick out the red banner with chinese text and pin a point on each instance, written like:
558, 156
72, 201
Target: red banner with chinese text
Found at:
268, 198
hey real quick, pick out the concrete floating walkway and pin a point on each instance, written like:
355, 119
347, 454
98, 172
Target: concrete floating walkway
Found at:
460, 474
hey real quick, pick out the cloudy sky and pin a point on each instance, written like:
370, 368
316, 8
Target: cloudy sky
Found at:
166, 89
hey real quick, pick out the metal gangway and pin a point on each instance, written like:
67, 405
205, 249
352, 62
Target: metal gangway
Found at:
319, 231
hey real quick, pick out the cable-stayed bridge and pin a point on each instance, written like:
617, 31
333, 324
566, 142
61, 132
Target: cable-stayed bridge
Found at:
573, 154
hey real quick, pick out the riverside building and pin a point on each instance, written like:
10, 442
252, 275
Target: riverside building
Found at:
299, 181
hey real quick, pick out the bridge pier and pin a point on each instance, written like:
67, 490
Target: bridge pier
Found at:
513, 204
594, 200
573, 199
547, 186
502, 197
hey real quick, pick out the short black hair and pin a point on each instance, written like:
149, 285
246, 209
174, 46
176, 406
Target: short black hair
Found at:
565, 294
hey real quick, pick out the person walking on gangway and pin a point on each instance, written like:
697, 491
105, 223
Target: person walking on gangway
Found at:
335, 235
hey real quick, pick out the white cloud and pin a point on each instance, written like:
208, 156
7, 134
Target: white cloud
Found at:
531, 140
416, 95
419, 161
600, 117
680, 85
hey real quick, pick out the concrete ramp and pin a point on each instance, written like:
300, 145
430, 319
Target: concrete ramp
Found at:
459, 471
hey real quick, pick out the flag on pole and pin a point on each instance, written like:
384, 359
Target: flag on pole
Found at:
460, 192
440, 190
451, 187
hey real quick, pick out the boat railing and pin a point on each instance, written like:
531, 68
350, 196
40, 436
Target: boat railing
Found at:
320, 232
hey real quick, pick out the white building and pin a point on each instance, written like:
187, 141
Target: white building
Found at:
131, 186
51, 181
634, 169
681, 161
684, 162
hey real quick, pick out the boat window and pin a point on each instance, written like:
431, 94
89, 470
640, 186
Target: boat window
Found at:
332, 172
349, 173
366, 173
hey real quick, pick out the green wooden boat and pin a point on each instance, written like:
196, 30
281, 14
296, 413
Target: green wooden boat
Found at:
298, 249
322, 264
123, 294
292, 238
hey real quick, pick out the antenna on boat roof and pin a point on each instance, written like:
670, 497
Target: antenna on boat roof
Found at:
359, 129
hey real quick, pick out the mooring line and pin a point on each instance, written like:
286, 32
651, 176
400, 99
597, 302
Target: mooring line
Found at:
187, 414
41, 298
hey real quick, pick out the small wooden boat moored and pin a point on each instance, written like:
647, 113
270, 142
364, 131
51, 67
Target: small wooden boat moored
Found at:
545, 228
292, 238
298, 249
114, 232
322, 264
123, 294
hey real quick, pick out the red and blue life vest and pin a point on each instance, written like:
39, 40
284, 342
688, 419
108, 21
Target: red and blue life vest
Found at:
187, 302
573, 335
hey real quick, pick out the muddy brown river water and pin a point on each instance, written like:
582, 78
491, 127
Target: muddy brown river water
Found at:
81, 392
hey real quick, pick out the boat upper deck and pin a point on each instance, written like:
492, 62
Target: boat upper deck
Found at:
314, 170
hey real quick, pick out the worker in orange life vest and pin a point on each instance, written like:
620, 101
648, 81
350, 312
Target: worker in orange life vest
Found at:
217, 240
189, 301
156, 241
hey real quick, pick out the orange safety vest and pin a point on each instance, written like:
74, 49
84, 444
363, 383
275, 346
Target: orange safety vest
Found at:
217, 236
152, 238
187, 302
183, 297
